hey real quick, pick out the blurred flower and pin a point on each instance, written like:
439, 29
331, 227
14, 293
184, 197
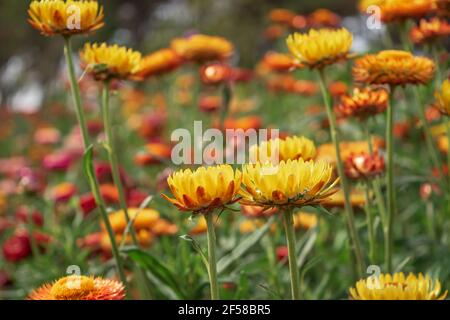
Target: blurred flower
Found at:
76, 287
47, 135
402, 129
397, 287
163, 227
16, 248
443, 8
241, 75
23, 214
200, 227
158, 63
256, 211
293, 148
324, 18
30, 181
210, 104
393, 67
274, 32
151, 125
202, 48
364, 165
443, 98
281, 16
2, 203
250, 225
319, 48
292, 183
357, 199
304, 220
63, 192
155, 152
394, 10
214, 73
52, 17
278, 62
442, 143
205, 189
430, 30
337, 88
282, 254
143, 219
103, 173
327, 151
5, 279
59, 161
299, 22
363, 103
106, 62
244, 123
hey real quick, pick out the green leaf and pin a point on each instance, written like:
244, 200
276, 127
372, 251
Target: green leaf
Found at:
307, 247
197, 248
243, 247
156, 271
322, 210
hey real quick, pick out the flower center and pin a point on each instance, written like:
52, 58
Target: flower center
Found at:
394, 54
72, 288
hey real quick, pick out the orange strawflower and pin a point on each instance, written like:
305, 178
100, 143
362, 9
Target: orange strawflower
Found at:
214, 73
364, 165
80, 288
393, 67
363, 103
202, 48
278, 62
324, 18
430, 30
158, 63
281, 16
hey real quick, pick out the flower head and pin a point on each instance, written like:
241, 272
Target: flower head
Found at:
281, 16
393, 67
398, 287
319, 48
364, 103
278, 62
110, 62
443, 98
324, 18
158, 63
292, 183
291, 148
430, 30
204, 189
215, 73
202, 48
394, 10
80, 288
364, 165
69, 17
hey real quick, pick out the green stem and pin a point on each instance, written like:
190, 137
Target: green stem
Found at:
375, 183
75, 91
448, 161
290, 238
93, 182
390, 182
112, 155
354, 241
370, 226
212, 269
